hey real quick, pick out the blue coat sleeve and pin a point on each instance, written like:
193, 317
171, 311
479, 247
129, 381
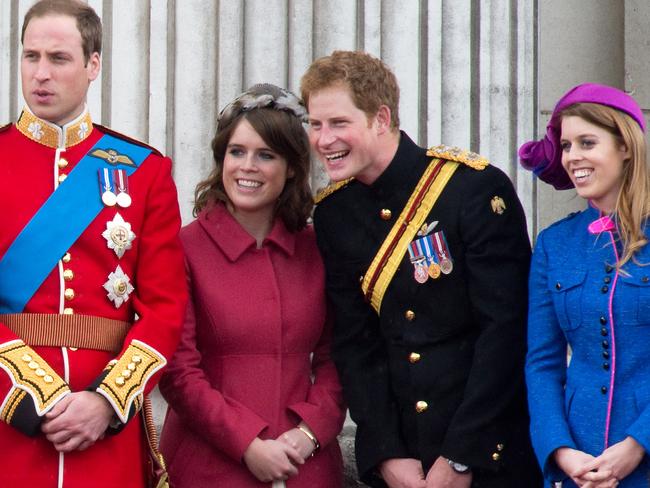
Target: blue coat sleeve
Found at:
546, 364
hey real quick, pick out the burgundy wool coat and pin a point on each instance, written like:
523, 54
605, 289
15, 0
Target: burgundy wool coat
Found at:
244, 367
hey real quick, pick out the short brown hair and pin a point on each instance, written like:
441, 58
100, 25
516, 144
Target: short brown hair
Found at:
371, 83
285, 135
88, 22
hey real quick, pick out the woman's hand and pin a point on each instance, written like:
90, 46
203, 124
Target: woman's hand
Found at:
573, 463
619, 459
272, 460
299, 441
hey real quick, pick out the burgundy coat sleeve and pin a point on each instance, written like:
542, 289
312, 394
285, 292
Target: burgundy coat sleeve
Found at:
323, 410
220, 421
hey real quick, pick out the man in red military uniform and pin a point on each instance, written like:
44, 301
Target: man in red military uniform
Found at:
92, 287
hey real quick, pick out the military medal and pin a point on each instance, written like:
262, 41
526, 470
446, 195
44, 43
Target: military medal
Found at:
121, 179
118, 286
118, 235
430, 253
442, 250
106, 187
421, 273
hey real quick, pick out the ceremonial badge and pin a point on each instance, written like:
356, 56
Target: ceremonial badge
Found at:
107, 187
118, 286
427, 228
498, 205
118, 235
439, 243
424, 257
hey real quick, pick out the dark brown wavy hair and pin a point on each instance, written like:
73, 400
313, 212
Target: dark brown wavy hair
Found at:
285, 135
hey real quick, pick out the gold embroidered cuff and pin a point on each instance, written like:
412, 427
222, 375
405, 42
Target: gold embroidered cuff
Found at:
127, 378
30, 373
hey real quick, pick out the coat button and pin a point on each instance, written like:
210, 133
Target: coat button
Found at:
62, 178
421, 406
496, 456
68, 293
385, 214
605, 354
608, 268
62, 163
645, 279
68, 311
603, 332
68, 274
558, 286
603, 389
66, 257
603, 319
414, 357
607, 279
606, 366
605, 289
410, 315
499, 447
605, 345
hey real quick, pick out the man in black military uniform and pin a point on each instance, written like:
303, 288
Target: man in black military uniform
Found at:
427, 259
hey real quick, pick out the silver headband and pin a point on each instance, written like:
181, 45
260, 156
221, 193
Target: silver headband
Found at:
263, 95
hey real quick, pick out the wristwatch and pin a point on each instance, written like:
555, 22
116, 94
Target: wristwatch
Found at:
458, 467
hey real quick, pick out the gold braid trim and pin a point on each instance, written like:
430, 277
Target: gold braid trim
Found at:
454, 153
51, 135
126, 379
29, 372
329, 189
13, 400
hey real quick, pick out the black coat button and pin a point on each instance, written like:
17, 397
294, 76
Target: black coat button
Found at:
603, 389
608, 268
603, 319
606, 354
603, 332
558, 286
605, 345
605, 289
607, 279
606, 366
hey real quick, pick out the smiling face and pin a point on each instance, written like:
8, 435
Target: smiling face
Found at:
253, 174
594, 161
345, 139
55, 76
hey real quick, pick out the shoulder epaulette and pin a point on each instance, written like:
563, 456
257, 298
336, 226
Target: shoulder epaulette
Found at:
329, 189
127, 138
454, 153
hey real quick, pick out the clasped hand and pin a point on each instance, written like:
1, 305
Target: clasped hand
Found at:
604, 471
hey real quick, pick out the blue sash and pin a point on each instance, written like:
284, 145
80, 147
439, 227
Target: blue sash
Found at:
58, 224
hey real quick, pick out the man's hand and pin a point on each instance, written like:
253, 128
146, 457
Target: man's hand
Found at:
441, 475
77, 421
272, 460
403, 473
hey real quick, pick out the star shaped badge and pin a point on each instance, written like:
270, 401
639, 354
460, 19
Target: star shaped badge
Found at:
118, 234
118, 286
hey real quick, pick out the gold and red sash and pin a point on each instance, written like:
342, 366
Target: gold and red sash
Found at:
417, 208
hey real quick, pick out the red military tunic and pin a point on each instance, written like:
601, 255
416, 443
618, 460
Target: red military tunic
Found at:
30, 170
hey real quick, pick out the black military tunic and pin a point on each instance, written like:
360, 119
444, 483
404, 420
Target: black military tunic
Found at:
440, 370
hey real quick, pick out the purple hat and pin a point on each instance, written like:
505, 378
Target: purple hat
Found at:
544, 157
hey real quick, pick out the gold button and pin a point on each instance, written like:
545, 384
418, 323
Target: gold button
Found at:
68, 274
68, 293
73, 349
27, 358
68, 311
48, 379
385, 214
66, 257
119, 287
119, 381
33, 365
131, 366
126, 373
499, 447
496, 456
136, 359
40, 372
414, 357
410, 315
62, 163
421, 406
62, 178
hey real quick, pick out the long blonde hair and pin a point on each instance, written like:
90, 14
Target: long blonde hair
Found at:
633, 201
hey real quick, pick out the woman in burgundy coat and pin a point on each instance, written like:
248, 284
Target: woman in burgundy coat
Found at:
254, 399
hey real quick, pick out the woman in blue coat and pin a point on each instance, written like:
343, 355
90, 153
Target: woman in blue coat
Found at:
590, 291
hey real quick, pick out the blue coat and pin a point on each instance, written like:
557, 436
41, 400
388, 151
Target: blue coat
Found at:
578, 299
